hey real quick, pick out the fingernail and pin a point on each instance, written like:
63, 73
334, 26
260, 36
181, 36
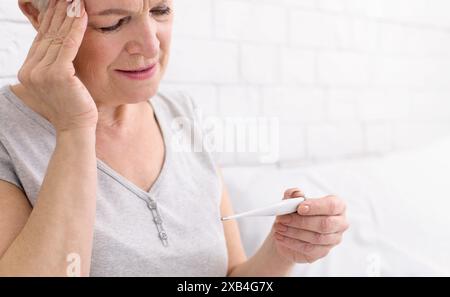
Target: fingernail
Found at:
297, 193
74, 9
304, 209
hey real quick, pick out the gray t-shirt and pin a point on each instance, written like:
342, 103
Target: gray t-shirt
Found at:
174, 229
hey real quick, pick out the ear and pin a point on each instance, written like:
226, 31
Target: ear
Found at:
32, 13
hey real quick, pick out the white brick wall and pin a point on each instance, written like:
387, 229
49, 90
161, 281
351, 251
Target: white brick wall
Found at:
346, 78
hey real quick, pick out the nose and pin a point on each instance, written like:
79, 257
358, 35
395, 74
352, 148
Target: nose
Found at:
145, 40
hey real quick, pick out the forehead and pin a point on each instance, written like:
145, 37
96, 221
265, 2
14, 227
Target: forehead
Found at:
95, 6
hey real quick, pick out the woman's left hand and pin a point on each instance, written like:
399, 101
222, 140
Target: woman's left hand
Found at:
309, 234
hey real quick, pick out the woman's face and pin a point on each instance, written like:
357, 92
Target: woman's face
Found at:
125, 35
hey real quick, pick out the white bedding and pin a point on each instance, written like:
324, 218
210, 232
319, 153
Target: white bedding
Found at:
398, 208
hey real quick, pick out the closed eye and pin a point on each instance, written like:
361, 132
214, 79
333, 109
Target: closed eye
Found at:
161, 11
117, 25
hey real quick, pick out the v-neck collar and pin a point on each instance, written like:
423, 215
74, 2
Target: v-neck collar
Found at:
167, 154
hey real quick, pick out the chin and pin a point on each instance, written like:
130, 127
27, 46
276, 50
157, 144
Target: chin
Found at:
140, 95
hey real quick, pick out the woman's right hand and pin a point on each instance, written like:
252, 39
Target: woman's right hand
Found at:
48, 72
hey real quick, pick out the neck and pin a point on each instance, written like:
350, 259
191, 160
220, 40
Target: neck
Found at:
116, 119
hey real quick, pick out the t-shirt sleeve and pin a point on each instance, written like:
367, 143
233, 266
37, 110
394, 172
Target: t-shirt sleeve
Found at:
7, 171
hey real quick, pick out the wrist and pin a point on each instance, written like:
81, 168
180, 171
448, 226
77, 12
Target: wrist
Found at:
279, 258
80, 132
76, 138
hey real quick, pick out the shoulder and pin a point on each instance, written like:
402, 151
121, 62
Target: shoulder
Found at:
5, 101
176, 103
10, 116
12, 110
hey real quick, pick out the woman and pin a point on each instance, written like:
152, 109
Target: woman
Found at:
89, 181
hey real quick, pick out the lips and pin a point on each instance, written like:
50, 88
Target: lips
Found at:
142, 73
137, 70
